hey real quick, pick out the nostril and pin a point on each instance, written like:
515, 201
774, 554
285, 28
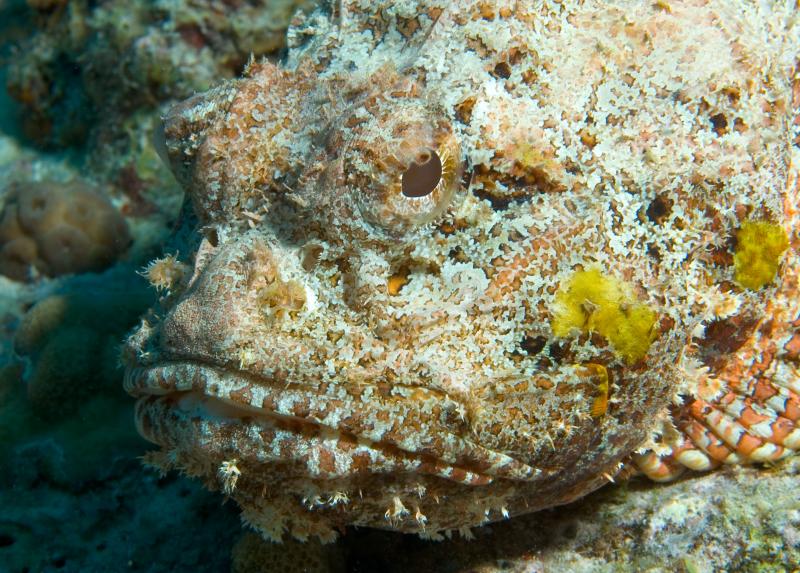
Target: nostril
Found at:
211, 235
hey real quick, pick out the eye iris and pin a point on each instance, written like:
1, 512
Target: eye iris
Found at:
422, 176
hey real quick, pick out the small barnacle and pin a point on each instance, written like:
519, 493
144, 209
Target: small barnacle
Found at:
533, 164
259, 267
420, 517
310, 255
339, 497
313, 501
593, 302
563, 426
166, 273
228, 474
397, 511
466, 533
759, 248
430, 535
163, 461
247, 357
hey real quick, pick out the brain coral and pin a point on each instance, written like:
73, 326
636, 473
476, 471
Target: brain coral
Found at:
52, 229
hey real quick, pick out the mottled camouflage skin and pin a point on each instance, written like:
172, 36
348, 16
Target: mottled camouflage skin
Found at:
345, 354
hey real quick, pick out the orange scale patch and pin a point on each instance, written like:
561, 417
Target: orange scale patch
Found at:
763, 391
706, 441
792, 347
781, 428
791, 407
749, 417
327, 461
700, 409
748, 444
761, 364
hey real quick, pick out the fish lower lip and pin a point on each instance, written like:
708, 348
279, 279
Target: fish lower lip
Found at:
193, 395
216, 395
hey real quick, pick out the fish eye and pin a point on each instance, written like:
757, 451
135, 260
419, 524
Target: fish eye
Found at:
423, 175
402, 171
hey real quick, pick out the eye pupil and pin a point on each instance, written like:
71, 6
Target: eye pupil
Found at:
423, 175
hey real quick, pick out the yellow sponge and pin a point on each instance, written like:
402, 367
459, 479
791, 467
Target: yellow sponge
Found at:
593, 302
759, 247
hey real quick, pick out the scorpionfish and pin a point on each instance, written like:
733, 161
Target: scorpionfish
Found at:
456, 261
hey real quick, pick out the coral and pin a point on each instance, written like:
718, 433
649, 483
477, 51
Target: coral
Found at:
228, 474
53, 229
15, 417
67, 373
742, 519
94, 77
10, 374
92, 64
119, 518
63, 419
73, 341
590, 301
759, 248
459, 356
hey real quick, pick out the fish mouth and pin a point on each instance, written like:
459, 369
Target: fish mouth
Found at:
324, 433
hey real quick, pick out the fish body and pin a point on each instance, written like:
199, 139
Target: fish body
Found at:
465, 260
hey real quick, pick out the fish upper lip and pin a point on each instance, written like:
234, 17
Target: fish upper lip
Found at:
241, 390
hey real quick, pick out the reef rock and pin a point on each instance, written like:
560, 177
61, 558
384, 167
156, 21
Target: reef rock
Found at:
86, 66
51, 228
467, 260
